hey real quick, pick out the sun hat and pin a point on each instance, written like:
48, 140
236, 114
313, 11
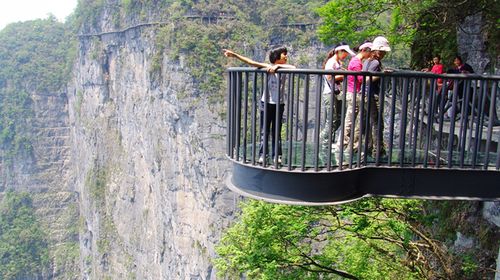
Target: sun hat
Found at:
365, 45
381, 44
345, 48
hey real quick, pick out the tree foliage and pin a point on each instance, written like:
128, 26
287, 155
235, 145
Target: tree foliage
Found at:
368, 239
23, 246
425, 27
35, 59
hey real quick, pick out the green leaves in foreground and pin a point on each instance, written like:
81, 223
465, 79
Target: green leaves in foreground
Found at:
369, 239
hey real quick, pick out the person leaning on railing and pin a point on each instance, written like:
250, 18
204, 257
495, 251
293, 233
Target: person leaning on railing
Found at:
334, 61
355, 64
376, 122
459, 68
278, 58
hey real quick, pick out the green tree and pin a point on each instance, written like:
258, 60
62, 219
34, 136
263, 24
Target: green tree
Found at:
23, 247
426, 27
34, 56
369, 239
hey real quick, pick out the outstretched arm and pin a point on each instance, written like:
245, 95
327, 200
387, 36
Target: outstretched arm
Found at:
230, 53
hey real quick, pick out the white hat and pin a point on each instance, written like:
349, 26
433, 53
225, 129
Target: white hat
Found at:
381, 44
344, 48
365, 45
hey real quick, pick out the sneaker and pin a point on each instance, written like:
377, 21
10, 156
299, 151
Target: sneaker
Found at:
261, 159
279, 160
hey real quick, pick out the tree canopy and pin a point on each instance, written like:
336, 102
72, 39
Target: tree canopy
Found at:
23, 247
35, 59
425, 28
368, 239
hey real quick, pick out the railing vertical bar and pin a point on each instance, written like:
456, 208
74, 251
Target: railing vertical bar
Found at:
451, 136
230, 125
306, 105
233, 115
391, 121
380, 119
245, 117
430, 121
367, 125
465, 106
480, 119
319, 79
417, 119
471, 125
464, 116
413, 126
440, 129
493, 98
297, 110
362, 117
290, 113
404, 116
342, 123
277, 124
264, 124
255, 101
329, 120
422, 97
238, 114
410, 128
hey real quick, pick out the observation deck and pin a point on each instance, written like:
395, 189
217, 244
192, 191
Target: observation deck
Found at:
437, 141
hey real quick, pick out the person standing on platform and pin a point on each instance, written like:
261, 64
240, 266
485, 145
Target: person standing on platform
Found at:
353, 97
332, 97
268, 123
376, 121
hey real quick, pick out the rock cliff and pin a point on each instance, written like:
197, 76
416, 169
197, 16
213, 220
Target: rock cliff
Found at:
149, 162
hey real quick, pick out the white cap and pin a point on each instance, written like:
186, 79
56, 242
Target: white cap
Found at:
381, 44
344, 48
365, 45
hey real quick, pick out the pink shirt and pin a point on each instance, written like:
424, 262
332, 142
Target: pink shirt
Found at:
354, 65
438, 69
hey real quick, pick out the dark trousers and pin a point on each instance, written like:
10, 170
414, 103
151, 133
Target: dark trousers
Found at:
269, 125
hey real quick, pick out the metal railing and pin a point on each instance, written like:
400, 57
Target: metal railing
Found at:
423, 121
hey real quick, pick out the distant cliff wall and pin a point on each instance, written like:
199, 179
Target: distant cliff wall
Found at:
149, 162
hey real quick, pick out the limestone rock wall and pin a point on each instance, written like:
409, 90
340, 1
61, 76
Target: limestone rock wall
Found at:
149, 163
46, 172
471, 43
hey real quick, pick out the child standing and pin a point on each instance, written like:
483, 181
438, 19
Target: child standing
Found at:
268, 123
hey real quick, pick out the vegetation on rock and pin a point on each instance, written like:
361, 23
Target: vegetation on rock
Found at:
35, 58
23, 245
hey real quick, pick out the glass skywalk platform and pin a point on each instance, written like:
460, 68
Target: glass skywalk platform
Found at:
426, 156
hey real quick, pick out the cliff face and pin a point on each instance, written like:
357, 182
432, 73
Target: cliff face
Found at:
149, 162
38, 113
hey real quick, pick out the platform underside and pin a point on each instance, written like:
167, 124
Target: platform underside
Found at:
324, 188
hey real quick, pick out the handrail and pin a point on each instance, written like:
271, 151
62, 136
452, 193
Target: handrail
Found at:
410, 114
391, 72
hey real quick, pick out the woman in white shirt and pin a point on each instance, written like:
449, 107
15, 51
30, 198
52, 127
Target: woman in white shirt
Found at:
332, 91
